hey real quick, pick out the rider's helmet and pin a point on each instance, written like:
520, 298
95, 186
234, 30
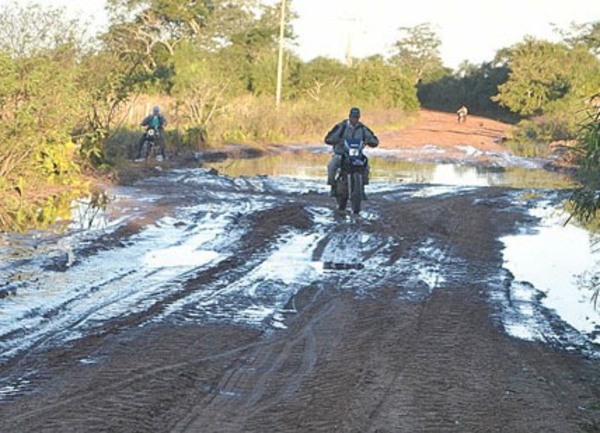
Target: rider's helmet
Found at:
354, 112
354, 115
156, 110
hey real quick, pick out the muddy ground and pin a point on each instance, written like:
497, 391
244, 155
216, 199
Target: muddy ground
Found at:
366, 347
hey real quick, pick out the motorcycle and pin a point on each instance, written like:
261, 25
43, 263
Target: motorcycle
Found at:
150, 144
349, 180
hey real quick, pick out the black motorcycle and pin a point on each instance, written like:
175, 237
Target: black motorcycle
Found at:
150, 144
349, 181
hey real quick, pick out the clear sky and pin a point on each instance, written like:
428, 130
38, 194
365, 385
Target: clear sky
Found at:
469, 29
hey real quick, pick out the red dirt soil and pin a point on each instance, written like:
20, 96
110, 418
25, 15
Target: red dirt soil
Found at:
443, 130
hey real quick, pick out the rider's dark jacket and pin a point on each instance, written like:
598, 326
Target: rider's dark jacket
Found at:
344, 130
150, 121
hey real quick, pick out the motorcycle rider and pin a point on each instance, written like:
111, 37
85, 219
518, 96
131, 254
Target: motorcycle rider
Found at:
346, 129
461, 114
157, 121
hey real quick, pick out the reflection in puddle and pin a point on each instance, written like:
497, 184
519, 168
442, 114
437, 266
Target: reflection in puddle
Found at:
187, 250
516, 172
89, 213
549, 266
424, 267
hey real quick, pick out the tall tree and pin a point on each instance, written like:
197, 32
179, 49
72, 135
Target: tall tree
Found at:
587, 34
148, 25
28, 29
541, 72
418, 52
320, 79
201, 85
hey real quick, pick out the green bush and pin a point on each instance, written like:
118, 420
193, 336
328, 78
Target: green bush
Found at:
120, 144
585, 200
194, 138
529, 140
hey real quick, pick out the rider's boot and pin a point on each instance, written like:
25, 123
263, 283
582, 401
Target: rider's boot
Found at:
332, 191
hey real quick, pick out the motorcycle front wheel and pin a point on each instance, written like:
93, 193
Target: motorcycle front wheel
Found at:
341, 191
148, 150
356, 191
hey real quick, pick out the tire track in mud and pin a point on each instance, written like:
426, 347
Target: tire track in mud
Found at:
426, 329
269, 374
306, 339
196, 282
110, 388
425, 397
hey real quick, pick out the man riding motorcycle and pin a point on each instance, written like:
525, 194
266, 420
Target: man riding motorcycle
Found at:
155, 121
350, 128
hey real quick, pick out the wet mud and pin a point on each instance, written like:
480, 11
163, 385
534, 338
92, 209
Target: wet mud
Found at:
208, 303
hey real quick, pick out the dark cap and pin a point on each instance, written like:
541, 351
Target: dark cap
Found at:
354, 112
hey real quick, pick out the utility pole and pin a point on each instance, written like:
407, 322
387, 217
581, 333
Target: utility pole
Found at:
348, 52
280, 58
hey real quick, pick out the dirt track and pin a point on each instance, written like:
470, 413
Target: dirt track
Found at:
366, 349
442, 129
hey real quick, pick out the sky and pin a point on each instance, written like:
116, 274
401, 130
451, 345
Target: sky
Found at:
470, 30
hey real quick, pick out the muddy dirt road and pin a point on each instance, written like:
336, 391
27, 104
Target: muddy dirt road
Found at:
286, 315
208, 303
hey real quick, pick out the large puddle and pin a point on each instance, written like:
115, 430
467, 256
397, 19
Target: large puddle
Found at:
555, 266
387, 167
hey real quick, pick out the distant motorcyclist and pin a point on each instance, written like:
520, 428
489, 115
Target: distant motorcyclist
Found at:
461, 114
350, 128
156, 121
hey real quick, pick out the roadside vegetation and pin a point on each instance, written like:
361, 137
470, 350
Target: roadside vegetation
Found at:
71, 102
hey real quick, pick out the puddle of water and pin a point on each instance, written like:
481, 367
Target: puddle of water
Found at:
64, 305
344, 249
262, 293
87, 216
429, 269
90, 213
311, 164
460, 175
555, 260
186, 251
